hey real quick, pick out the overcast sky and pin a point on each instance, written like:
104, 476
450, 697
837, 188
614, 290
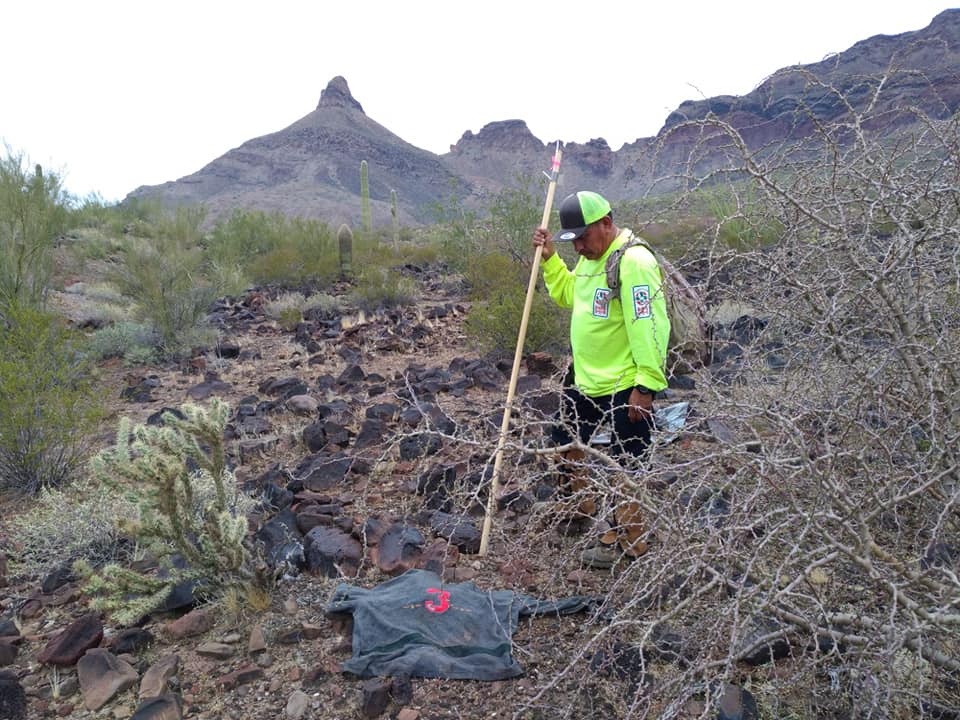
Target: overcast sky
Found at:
116, 94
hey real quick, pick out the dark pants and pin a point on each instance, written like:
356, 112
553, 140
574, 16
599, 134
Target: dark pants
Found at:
583, 415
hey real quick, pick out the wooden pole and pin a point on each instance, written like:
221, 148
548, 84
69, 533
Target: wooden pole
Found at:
517, 357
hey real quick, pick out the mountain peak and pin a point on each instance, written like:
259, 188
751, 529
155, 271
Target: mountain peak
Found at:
309, 169
337, 94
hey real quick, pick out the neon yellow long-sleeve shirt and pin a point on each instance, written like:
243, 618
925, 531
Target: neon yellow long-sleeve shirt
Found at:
616, 343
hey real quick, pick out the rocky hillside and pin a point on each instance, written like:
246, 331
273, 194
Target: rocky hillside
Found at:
366, 440
311, 167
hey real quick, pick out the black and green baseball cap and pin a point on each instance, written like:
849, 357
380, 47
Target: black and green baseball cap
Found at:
577, 211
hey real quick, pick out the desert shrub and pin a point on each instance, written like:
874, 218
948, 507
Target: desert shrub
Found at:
91, 212
101, 292
513, 213
141, 216
817, 516
497, 282
322, 305
283, 303
455, 232
289, 318
802, 528
134, 342
740, 221
64, 525
489, 272
48, 400
243, 236
420, 254
274, 249
503, 225
291, 307
34, 210
189, 507
93, 246
113, 220
230, 279
281, 266
495, 322
379, 287
101, 305
164, 276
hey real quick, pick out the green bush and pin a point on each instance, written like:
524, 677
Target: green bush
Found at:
489, 272
322, 305
379, 287
110, 219
495, 323
164, 276
514, 213
128, 340
289, 318
504, 225
741, 224
34, 210
283, 304
271, 248
456, 232
419, 254
242, 237
48, 402
138, 217
91, 244
231, 279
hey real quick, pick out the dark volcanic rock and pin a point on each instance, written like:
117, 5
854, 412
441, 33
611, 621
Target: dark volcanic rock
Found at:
322, 472
734, 703
8, 651
68, 647
458, 530
331, 552
163, 707
769, 650
13, 699
280, 541
9, 628
130, 641
399, 549
414, 446
212, 385
102, 676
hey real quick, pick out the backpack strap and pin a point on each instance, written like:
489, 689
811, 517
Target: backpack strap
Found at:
612, 266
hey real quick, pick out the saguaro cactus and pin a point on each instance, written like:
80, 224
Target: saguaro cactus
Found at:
345, 238
365, 199
396, 220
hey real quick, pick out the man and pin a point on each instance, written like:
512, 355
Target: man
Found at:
619, 349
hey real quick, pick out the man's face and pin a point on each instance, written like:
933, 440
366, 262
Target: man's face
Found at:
591, 244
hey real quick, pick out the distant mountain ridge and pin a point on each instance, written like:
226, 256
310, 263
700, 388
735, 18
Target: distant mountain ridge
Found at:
311, 168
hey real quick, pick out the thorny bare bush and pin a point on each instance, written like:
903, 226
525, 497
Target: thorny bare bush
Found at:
808, 514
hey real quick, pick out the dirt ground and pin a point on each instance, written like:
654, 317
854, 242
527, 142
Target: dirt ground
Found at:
525, 556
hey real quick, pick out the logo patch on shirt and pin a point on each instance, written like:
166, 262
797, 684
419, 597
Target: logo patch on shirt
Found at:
641, 301
601, 303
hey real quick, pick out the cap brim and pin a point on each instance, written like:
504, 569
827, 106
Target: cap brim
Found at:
569, 234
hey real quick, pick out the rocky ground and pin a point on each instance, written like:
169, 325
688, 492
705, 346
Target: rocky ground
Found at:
369, 437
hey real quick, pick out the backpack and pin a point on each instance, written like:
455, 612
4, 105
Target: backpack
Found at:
689, 344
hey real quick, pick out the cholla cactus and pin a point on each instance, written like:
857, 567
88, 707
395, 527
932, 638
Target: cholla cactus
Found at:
189, 506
